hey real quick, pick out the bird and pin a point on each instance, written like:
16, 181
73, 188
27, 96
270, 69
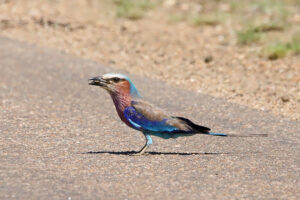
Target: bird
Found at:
142, 116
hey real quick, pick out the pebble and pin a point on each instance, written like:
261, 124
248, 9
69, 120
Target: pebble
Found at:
285, 99
208, 59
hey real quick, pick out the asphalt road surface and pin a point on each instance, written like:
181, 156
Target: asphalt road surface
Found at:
61, 139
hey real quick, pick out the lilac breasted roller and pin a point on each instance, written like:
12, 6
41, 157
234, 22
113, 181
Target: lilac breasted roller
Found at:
143, 116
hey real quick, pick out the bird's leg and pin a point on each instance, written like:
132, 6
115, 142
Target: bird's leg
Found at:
148, 143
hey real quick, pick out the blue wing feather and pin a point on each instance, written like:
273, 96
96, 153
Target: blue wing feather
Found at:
161, 128
140, 122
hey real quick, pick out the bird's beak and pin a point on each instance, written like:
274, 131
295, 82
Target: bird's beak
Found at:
98, 81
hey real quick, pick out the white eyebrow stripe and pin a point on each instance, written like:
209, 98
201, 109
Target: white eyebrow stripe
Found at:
134, 92
114, 75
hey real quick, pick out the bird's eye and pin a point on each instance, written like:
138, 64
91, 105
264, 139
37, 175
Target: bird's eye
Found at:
116, 79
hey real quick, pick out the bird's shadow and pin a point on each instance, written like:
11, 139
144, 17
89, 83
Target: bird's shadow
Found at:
129, 153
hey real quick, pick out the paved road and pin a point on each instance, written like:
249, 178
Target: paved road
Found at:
61, 139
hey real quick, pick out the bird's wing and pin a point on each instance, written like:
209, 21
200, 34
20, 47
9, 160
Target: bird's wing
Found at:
147, 117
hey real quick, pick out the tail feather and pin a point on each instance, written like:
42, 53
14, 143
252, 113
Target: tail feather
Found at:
217, 134
248, 135
205, 130
234, 135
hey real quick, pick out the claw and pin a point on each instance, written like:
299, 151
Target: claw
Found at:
139, 154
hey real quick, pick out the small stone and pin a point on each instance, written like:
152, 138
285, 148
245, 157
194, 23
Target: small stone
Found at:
208, 59
285, 99
192, 62
112, 62
123, 28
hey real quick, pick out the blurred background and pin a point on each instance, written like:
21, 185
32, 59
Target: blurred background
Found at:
247, 51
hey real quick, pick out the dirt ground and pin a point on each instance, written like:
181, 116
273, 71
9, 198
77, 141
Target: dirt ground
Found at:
164, 45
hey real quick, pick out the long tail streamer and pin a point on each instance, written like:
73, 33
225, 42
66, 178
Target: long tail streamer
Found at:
234, 135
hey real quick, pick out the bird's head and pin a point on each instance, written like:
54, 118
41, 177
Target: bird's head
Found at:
115, 83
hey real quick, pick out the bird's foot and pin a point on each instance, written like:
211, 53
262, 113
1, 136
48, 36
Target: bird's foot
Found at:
139, 154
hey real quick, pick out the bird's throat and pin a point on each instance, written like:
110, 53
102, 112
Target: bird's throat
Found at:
121, 102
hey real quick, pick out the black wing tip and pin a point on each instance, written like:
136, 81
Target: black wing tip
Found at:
194, 126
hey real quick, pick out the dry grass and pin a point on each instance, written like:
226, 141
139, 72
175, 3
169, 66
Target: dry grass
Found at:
133, 9
281, 49
248, 36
